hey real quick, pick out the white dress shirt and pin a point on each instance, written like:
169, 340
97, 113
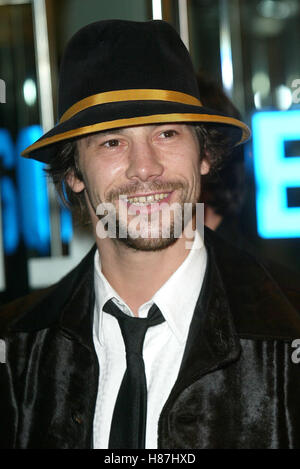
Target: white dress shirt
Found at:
163, 346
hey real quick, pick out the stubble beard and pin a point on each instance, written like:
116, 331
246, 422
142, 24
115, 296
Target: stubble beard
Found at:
175, 223
148, 244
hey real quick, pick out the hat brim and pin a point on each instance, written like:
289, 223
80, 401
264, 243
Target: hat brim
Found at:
103, 117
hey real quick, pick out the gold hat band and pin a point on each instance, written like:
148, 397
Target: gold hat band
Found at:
129, 95
153, 119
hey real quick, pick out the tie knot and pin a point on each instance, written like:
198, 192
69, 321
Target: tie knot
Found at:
134, 329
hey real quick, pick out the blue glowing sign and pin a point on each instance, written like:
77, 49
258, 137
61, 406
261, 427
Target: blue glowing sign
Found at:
275, 173
33, 196
7, 151
9, 202
25, 204
10, 220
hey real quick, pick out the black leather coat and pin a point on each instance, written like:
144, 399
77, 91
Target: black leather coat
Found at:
237, 386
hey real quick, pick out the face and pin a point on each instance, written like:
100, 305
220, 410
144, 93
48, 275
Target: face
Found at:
146, 172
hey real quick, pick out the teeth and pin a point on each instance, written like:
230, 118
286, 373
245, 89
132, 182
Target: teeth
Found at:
150, 199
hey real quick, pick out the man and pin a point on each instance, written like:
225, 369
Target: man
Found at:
152, 341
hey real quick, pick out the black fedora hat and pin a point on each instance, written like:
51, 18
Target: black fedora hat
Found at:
119, 73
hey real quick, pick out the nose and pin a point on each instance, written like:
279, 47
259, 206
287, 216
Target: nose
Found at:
144, 162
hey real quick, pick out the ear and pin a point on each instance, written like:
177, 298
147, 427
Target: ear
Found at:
204, 167
77, 185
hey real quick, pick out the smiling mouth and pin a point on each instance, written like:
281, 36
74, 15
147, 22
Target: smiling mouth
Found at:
148, 199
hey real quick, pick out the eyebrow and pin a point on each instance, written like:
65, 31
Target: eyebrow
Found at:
92, 137
120, 130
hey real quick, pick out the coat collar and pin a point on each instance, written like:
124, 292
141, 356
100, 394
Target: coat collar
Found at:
238, 298
261, 308
67, 305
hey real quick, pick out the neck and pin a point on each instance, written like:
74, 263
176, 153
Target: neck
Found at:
137, 275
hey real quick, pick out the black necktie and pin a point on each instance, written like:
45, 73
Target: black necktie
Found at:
128, 427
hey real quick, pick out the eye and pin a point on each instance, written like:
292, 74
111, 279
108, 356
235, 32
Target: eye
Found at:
111, 143
169, 133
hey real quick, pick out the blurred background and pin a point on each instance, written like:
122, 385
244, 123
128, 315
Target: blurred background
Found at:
246, 53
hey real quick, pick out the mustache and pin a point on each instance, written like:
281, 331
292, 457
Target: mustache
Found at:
138, 188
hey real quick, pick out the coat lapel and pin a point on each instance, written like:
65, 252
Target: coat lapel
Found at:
212, 341
58, 389
66, 304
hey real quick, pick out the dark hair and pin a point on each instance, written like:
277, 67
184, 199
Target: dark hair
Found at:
63, 164
214, 146
224, 190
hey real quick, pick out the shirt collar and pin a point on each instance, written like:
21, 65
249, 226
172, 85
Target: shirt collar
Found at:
176, 298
